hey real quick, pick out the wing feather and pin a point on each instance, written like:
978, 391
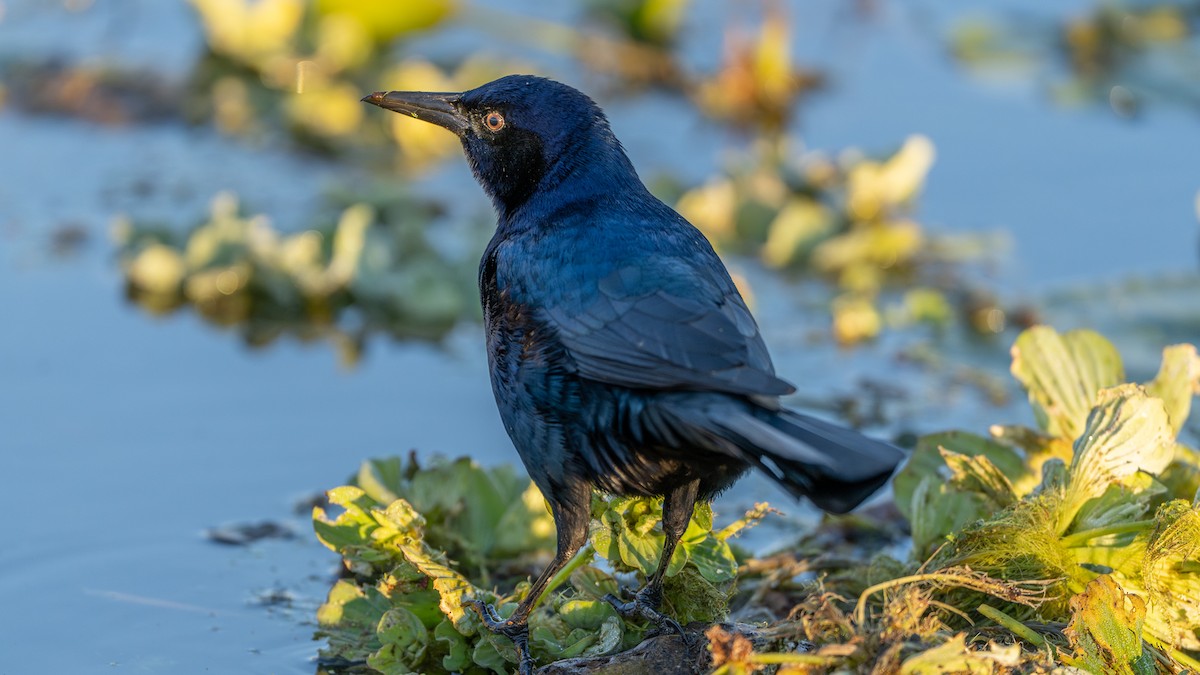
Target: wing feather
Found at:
667, 338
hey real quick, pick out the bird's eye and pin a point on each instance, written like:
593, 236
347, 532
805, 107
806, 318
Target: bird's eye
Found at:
494, 121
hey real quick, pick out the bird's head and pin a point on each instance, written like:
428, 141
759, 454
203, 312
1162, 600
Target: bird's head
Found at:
524, 135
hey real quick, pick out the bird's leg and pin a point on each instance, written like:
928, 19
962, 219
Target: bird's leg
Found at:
677, 512
572, 512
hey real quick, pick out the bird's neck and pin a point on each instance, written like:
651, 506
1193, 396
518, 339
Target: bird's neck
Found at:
579, 176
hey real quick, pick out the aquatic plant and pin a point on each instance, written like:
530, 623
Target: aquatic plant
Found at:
1121, 54
377, 257
407, 532
850, 222
1074, 545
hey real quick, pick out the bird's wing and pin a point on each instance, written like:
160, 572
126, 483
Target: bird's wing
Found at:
667, 336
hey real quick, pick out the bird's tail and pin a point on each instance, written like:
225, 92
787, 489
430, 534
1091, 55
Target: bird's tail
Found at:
835, 467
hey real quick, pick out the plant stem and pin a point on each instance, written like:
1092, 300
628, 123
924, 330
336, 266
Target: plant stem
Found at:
773, 658
1015, 627
583, 557
1082, 538
1186, 660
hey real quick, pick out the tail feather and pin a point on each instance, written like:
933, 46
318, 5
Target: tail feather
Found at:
835, 467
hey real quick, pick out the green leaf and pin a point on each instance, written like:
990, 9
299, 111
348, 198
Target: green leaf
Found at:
681, 557
353, 532
1126, 432
404, 642
457, 658
586, 614
1106, 630
1123, 554
714, 560
1038, 449
568, 646
640, 551
473, 514
608, 638
928, 461
413, 615
1170, 577
1178, 380
453, 589
1122, 502
487, 653
603, 539
578, 628
1182, 475
348, 620
1063, 373
381, 479
977, 474
401, 517
701, 522
593, 582
953, 479
937, 511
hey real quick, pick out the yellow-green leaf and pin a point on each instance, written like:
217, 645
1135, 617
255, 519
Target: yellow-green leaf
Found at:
1125, 433
1063, 373
1178, 380
1171, 574
953, 656
1106, 630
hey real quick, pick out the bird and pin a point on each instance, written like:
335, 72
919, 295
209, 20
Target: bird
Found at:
622, 356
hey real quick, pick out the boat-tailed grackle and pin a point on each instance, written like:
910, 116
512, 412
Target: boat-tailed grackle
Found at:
622, 356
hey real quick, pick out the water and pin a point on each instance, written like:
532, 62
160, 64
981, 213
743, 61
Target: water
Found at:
123, 437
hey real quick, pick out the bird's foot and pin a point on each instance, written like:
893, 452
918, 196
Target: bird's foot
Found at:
517, 631
644, 605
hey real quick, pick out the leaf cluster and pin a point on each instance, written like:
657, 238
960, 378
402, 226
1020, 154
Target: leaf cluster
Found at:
375, 256
849, 221
409, 536
1100, 501
1120, 55
1068, 548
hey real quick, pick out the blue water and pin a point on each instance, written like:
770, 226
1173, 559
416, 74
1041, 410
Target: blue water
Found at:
123, 437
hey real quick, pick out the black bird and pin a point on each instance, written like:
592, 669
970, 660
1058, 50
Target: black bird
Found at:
622, 356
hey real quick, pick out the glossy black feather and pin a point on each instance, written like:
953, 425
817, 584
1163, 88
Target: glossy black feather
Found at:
622, 355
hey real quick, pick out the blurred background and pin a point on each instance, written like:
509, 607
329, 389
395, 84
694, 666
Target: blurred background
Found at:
224, 281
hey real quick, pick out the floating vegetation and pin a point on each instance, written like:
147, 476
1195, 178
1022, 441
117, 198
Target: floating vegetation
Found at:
400, 606
97, 93
1122, 54
303, 65
376, 258
296, 69
1073, 545
851, 222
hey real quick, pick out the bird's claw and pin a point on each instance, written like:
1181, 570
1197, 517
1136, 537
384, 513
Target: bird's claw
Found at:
516, 631
642, 607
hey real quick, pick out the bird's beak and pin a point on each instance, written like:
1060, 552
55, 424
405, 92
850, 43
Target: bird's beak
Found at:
435, 108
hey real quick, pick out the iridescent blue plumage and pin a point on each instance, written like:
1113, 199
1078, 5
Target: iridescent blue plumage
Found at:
622, 356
